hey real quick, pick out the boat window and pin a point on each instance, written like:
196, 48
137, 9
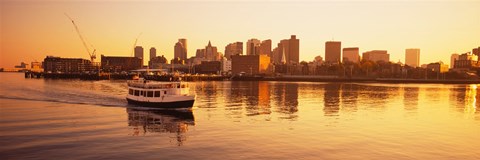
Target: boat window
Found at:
137, 92
157, 93
164, 92
130, 91
149, 93
145, 93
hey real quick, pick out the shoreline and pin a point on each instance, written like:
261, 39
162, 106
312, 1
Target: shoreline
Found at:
287, 78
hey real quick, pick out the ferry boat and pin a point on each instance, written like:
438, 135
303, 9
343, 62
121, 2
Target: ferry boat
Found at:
159, 94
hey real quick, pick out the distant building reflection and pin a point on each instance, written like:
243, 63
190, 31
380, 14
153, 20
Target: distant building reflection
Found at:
331, 99
285, 96
161, 121
466, 98
410, 98
254, 95
377, 96
349, 97
207, 90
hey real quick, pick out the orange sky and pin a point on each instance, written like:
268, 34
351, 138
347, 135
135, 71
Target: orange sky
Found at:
31, 30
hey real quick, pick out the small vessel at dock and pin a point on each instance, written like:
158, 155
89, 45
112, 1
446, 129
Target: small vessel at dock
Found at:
159, 94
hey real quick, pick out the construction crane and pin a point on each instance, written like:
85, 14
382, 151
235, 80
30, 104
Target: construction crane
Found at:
134, 44
91, 54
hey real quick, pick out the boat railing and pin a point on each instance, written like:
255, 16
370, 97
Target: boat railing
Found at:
159, 85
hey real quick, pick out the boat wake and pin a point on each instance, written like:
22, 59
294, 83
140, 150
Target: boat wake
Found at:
116, 103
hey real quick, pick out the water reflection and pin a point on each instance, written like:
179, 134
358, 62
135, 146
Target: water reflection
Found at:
349, 96
253, 98
161, 121
285, 96
332, 99
410, 98
377, 96
465, 99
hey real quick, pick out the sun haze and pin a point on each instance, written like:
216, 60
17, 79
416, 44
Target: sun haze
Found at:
31, 30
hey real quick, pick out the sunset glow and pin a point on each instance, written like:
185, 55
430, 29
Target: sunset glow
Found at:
31, 30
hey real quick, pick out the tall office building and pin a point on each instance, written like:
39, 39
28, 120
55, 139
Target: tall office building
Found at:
180, 49
412, 57
138, 52
266, 48
209, 53
351, 55
200, 53
453, 58
153, 53
376, 56
251, 46
287, 50
333, 51
184, 42
235, 48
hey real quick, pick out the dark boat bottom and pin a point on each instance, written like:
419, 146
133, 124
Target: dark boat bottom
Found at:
179, 104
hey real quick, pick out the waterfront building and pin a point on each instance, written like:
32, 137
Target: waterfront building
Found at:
117, 64
376, 56
209, 67
333, 52
412, 57
453, 58
153, 53
466, 61
251, 46
438, 67
250, 64
157, 62
476, 51
226, 66
67, 65
180, 49
36, 65
139, 52
351, 55
235, 48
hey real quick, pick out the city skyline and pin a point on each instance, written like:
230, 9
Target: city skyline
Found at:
427, 26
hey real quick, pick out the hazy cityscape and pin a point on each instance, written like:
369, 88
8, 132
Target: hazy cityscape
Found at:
201, 79
261, 60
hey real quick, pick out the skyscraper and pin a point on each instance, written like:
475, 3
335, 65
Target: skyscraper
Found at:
266, 47
333, 52
200, 53
180, 49
412, 57
251, 44
235, 48
294, 50
351, 55
184, 42
211, 53
139, 52
287, 49
153, 53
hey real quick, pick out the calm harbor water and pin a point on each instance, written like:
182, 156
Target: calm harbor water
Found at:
74, 119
